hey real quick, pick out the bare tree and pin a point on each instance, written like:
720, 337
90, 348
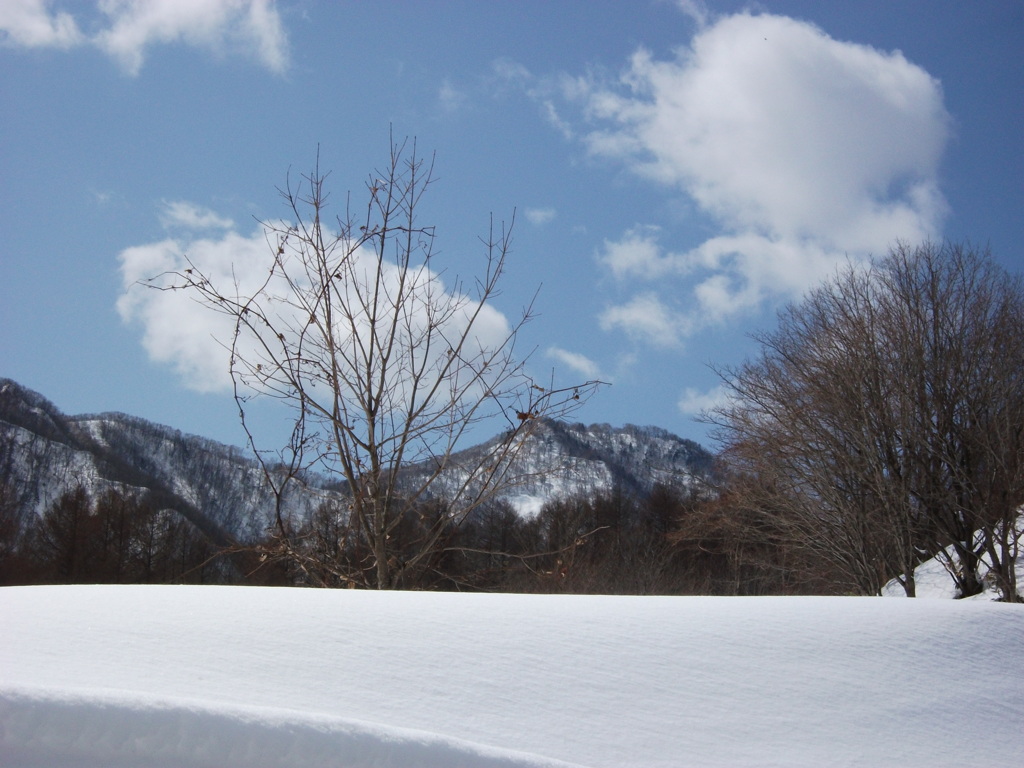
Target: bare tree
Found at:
885, 415
960, 320
809, 419
383, 365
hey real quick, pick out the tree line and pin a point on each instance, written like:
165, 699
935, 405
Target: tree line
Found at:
119, 537
669, 541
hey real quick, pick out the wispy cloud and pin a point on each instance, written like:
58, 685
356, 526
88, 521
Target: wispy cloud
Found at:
451, 98
803, 149
31, 23
185, 215
579, 363
539, 216
511, 73
126, 28
693, 402
697, 10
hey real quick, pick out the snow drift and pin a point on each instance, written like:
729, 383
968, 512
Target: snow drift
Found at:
234, 676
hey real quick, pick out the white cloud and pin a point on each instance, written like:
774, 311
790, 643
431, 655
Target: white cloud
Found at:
249, 27
510, 75
262, 26
539, 216
647, 318
451, 98
697, 10
31, 24
192, 338
581, 364
638, 254
802, 148
177, 330
183, 214
511, 72
551, 114
693, 402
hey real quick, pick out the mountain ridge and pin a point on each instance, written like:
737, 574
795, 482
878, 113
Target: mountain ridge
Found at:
44, 452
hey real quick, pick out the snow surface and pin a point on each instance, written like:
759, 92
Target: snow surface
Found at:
248, 677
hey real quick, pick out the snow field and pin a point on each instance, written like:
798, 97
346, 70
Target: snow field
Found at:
235, 676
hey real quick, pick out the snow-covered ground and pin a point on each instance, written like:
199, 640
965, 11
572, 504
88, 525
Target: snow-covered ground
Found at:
933, 580
249, 677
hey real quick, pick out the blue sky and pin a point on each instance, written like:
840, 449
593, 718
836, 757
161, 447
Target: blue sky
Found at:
678, 169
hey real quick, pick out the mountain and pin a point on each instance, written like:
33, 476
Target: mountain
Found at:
44, 453
561, 460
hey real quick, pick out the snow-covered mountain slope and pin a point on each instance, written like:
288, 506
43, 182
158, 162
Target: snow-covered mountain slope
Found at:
560, 460
44, 453
226, 677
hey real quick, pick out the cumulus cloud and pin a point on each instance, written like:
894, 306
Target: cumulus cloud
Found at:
647, 317
129, 27
639, 254
193, 339
177, 330
246, 26
803, 149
